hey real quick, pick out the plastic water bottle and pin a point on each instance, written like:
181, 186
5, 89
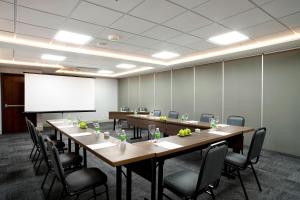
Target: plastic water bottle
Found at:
123, 138
156, 135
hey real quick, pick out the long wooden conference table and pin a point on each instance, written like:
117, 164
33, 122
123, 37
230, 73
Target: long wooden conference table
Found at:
142, 157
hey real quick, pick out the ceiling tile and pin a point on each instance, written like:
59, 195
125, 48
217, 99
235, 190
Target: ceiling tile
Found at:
82, 27
163, 46
184, 39
35, 31
124, 36
142, 41
190, 3
132, 24
220, 9
260, 2
161, 33
123, 6
159, 11
95, 14
6, 25
6, 10
292, 21
209, 31
38, 18
246, 19
270, 27
185, 51
187, 21
202, 45
281, 8
59, 7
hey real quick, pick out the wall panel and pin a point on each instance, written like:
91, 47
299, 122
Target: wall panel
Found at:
282, 101
183, 91
133, 92
242, 90
208, 89
122, 92
163, 91
147, 91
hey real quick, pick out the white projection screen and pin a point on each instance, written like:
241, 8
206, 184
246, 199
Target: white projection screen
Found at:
51, 93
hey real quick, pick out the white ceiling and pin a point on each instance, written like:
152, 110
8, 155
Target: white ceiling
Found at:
144, 26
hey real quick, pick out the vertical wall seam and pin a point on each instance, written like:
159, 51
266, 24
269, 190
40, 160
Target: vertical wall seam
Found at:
139, 92
194, 91
154, 91
262, 92
171, 89
223, 89
128, 92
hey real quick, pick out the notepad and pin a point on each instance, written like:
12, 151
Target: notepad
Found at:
218, 133
168, 145
80, 134
222, 125
101, 145
57, 122
65, 126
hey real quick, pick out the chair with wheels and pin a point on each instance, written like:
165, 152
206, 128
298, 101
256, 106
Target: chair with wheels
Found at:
173, 115
204, 117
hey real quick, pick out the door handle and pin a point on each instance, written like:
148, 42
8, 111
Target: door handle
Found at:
12, 106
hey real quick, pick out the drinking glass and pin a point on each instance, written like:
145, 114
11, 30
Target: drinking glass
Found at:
151, 129
217, 119
97, 127
118, 129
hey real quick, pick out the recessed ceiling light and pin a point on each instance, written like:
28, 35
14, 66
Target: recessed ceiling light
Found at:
228, 38
103, 71
125, 66
53, 57
165, 55
113, 37
74, 38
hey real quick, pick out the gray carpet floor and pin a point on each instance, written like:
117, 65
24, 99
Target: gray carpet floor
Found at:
279, 175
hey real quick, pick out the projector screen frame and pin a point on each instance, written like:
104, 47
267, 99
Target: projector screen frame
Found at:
58, 111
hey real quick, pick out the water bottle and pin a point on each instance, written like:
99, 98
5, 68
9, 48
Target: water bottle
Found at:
123, 138
156, 134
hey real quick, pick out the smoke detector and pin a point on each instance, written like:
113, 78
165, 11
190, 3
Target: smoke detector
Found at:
113, 37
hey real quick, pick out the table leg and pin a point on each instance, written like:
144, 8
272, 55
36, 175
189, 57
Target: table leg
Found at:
76, 148
160, 179
114, 124
119, 182
128, 183
69, 144
153, 183
60, 136
84, 158
134, 132
55, 133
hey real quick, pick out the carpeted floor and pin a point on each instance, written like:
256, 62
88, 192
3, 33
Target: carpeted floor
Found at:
279, 175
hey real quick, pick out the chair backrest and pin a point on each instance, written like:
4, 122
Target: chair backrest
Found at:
125, 109
43, 149
205, 117
256, 144
236, 120
57, 166
142, 109
33, 134
173, 115
157, 113
212, 165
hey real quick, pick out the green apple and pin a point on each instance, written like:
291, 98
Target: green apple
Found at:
182, 132
83, 125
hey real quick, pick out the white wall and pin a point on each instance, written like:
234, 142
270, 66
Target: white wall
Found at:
106, 100
0, 108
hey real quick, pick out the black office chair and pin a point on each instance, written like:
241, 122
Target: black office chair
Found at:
205, 117
124, 109
35, 145
142, 109
157, 113
79, 181
236, 120
241, 162
173, 115
190, 185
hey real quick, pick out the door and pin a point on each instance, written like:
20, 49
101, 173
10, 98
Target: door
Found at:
13, 119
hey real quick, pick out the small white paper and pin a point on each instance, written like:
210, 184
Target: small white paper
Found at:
65, 126
168, 145
57, 122
80, 134
192, 122
101, 145
222, 125
218, 133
